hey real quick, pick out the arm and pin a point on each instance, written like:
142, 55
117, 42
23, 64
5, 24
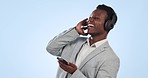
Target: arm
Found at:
57, 44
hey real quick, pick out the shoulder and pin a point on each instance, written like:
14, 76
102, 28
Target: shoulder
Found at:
108, 53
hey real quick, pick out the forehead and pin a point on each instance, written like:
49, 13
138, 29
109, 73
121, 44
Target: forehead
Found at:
99, 13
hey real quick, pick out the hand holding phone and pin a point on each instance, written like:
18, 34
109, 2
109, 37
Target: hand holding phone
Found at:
62, 60
67, 66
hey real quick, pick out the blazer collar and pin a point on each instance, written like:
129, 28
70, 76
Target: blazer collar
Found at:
77, 49
94, 53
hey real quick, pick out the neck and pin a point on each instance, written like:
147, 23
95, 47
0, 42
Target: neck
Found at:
94, 39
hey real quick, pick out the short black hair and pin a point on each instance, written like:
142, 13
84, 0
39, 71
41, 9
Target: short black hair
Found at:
109, 10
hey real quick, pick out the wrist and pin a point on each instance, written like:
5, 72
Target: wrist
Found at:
77, 30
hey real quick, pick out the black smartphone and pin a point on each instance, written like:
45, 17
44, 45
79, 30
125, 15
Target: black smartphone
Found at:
62, 60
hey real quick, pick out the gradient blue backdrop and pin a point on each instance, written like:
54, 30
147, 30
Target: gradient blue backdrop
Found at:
26, 26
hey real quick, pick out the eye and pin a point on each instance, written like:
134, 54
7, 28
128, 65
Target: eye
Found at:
95, 18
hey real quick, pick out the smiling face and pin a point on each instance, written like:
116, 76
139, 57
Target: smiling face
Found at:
96, 22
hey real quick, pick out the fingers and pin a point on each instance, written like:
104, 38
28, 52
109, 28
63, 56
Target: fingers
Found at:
84, 22
62, 65
70, 68
79, 26
72, 65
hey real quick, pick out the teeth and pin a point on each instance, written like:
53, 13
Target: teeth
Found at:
90, 25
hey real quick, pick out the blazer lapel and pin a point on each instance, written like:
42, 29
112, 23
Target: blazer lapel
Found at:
93, 54
76, 50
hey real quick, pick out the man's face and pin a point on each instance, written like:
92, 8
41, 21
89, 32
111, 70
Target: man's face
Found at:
96, 22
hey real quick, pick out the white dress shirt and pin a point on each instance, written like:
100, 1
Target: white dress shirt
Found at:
87, 49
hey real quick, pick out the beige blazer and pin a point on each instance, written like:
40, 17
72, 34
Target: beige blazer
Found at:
101, 63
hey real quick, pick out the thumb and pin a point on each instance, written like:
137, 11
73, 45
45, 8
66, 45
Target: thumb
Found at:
72, 65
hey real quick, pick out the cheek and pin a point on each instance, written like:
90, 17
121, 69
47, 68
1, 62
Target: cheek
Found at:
99, 26
99, 23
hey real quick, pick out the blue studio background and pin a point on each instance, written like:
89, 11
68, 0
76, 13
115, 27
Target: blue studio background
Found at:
26, 26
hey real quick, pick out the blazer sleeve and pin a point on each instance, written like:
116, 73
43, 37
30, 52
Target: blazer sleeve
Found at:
57, 44
78, 74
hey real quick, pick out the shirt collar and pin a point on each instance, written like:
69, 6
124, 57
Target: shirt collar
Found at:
97, 44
